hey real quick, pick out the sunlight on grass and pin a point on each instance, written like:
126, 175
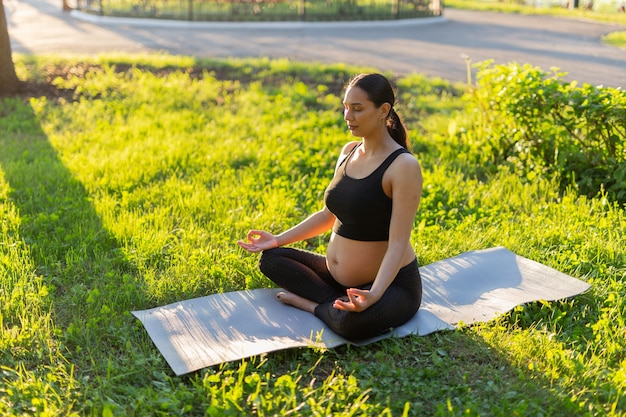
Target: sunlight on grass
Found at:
131, 190
616, 39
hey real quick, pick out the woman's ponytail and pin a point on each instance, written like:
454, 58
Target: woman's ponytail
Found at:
396, 128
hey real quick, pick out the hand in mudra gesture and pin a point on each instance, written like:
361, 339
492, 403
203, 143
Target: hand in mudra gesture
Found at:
358, 300
258, 240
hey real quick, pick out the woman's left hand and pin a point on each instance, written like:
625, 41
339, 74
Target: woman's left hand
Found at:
358, 300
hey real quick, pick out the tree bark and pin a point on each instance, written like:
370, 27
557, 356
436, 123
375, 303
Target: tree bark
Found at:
9, 83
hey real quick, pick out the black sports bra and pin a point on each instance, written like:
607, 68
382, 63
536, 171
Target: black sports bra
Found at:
362, 208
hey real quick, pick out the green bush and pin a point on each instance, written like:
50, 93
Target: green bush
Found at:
536, 123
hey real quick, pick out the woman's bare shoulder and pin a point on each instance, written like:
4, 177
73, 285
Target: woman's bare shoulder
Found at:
348, 147
408, 159
406, 166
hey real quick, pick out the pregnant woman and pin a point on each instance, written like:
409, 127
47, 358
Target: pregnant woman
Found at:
369, 281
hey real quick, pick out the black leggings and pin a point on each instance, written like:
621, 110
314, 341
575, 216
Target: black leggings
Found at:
306, 274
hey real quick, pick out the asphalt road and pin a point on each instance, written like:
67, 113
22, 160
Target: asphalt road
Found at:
430, 46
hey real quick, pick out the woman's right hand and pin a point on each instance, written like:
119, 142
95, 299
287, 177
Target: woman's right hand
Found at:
258, 240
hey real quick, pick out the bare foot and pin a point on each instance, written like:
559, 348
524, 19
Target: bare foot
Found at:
296, 301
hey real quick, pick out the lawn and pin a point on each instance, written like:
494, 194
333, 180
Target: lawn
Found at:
127, 185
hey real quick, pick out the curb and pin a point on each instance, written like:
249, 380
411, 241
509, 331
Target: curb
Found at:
184, 24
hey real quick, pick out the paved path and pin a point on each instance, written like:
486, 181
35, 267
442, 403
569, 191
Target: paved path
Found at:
432, 47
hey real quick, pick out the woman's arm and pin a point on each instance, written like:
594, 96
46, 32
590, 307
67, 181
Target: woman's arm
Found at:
314, 225
406, 186
319, 222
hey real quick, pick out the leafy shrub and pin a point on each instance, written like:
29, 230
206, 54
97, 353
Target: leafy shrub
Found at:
537, 124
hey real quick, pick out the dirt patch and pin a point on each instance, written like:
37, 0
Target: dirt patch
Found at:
44, 85
28, 89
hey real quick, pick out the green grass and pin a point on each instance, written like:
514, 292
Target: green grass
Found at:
130, 191
604, 15
617, 38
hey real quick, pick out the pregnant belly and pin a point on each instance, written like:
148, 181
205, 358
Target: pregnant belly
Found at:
353, 263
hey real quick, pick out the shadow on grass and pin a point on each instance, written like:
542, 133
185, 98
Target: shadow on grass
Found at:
454, 373
93, 286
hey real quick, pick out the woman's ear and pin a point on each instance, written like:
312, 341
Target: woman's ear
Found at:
384, 110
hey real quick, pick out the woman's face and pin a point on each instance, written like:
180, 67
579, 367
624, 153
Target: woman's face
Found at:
362, 116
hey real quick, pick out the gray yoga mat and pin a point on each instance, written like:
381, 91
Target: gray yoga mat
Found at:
472, 287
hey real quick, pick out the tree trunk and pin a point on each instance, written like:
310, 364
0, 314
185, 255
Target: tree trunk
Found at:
9, 82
